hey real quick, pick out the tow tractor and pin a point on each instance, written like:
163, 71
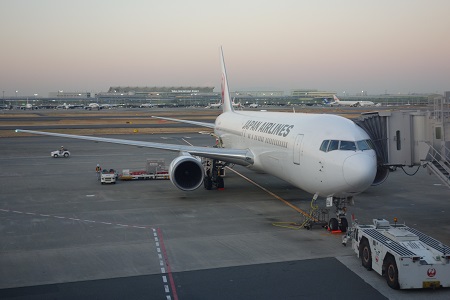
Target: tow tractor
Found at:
108, 176
408, 258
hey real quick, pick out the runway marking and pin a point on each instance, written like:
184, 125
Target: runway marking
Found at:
306, 214
165, 266
157, 237
75, 219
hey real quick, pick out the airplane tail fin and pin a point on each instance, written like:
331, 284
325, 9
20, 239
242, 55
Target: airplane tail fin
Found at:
227, 105
336, 99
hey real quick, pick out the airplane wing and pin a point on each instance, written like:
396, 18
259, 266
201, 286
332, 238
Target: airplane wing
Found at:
242, 157
204, 124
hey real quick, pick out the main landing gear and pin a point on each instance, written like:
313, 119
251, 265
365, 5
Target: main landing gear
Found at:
214, 173
340, 222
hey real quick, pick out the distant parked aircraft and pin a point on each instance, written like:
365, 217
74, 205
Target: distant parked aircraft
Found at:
338, 102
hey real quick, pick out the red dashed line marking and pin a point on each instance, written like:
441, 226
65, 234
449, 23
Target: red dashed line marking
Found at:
165, 266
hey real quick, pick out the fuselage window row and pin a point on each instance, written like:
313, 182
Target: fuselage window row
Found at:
331, 145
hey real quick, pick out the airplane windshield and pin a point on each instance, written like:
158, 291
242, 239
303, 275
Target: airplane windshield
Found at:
331, 145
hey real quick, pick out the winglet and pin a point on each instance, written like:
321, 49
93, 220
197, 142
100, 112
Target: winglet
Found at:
227, 106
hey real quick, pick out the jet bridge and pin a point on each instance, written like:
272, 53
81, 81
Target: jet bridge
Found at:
411, 138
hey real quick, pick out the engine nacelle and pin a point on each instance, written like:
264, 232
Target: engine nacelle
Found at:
186, 172
382, 174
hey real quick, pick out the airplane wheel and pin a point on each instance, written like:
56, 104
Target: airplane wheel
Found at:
220, 183
365, 254
344, 225
207, 182
333, 224
392, 273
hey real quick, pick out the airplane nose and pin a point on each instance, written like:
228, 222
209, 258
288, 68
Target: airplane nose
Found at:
359, 171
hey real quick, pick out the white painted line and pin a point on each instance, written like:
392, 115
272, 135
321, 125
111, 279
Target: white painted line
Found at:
163, 270
164, 279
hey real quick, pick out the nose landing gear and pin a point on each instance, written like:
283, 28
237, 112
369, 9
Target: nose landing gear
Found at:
340, 222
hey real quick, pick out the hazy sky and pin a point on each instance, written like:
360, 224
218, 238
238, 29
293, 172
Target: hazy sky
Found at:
394, 46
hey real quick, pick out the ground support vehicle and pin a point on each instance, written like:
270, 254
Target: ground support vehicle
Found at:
60, 153
142, 175
155, 169
108, 176
407, 257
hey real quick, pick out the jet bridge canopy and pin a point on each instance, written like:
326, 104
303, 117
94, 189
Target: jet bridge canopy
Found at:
411, 138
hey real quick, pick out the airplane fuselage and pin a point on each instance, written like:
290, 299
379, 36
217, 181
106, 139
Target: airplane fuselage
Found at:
290, 148
353, 103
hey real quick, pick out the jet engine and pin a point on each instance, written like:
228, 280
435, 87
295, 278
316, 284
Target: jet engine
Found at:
382, 174
186, 172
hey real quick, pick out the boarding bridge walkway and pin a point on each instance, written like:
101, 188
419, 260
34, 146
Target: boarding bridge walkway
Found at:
411, 138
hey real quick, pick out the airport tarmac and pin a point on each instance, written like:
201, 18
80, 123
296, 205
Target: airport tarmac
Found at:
66, 236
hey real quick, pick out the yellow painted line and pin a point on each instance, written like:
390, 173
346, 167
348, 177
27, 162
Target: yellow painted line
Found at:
270, 193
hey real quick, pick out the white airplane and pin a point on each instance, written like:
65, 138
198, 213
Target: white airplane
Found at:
326, 155
338, 102
146, 105
27, 106
92, 106
215, 105
219, 104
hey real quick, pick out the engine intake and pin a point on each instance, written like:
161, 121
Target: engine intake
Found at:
186, 173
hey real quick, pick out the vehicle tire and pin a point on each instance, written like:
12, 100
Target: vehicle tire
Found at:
344, 225
55, 155
333, 224
365, 254
66, 155
220, 183
207, 182
391, 273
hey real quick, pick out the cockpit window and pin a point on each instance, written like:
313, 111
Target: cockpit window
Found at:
334, 145
331, 145
347, 145
364, 145
324, 145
